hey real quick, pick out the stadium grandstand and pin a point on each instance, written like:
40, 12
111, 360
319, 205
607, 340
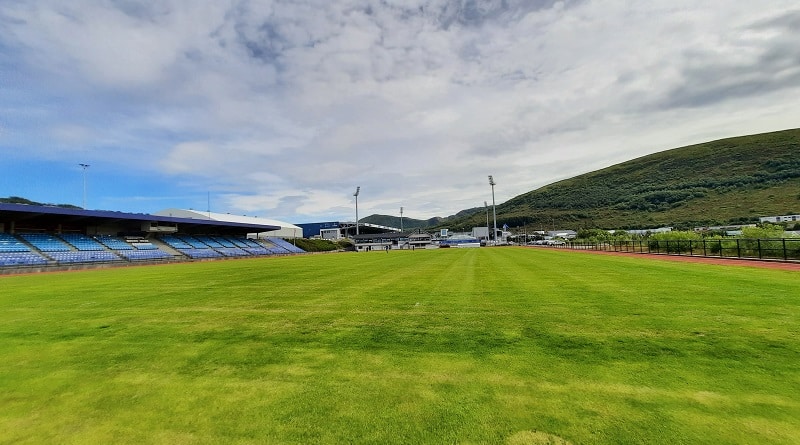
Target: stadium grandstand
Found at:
334, 230
392, 241
36, 238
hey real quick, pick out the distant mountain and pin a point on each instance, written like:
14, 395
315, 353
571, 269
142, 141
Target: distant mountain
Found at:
18, 200
410, 223
728, 181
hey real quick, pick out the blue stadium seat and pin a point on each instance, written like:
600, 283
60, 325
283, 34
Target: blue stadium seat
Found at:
238, 242
146, 254
113, 243
45, 242
258, 251
209, 241
175, 242
82, 256
192, 241
81, 241
224, 242
21, 259
200, 253
280, 242
9, 243
232, 251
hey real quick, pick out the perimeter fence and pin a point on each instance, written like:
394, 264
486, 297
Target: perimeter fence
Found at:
778, 249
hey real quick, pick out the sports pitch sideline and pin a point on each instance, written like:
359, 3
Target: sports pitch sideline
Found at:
499, 345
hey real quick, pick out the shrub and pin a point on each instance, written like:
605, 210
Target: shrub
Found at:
763, 231
674, 242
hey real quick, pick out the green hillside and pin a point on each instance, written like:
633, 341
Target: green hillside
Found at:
18, 200
728, 181
411, 223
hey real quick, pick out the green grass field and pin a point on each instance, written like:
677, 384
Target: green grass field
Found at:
471, 346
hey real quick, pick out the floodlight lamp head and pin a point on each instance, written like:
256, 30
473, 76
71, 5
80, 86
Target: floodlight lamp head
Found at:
491, 180
358, 189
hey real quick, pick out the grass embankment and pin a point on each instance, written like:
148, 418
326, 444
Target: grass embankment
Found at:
449, 346
728, 181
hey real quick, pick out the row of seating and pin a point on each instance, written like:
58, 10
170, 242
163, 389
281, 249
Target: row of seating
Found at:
10, 244
69, 248
113, 243
21, 259
82, 242
82, 256
146, 254
280, 242
79, 248
206, 246
45, 242
140, 243
65, 242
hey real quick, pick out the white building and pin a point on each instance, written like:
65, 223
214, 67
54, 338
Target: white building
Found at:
286, 231
779, 219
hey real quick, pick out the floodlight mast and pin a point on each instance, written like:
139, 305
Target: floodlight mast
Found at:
84, 166
401, 219
358, 190
494, 209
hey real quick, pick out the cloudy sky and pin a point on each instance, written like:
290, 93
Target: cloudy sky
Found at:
281, 108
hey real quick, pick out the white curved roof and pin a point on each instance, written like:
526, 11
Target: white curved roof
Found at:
227, 217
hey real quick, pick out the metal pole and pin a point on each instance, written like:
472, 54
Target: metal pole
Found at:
494, 209
485, 204
85, 166
401, 219
358, 189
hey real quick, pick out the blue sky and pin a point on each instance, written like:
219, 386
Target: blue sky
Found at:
281, 108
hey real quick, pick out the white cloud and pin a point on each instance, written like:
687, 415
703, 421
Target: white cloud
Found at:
285, 106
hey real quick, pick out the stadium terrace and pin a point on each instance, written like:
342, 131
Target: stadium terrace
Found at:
36, 238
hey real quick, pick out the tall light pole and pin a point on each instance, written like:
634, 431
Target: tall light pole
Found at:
401, 219
494, 209
84, 166
358, 190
